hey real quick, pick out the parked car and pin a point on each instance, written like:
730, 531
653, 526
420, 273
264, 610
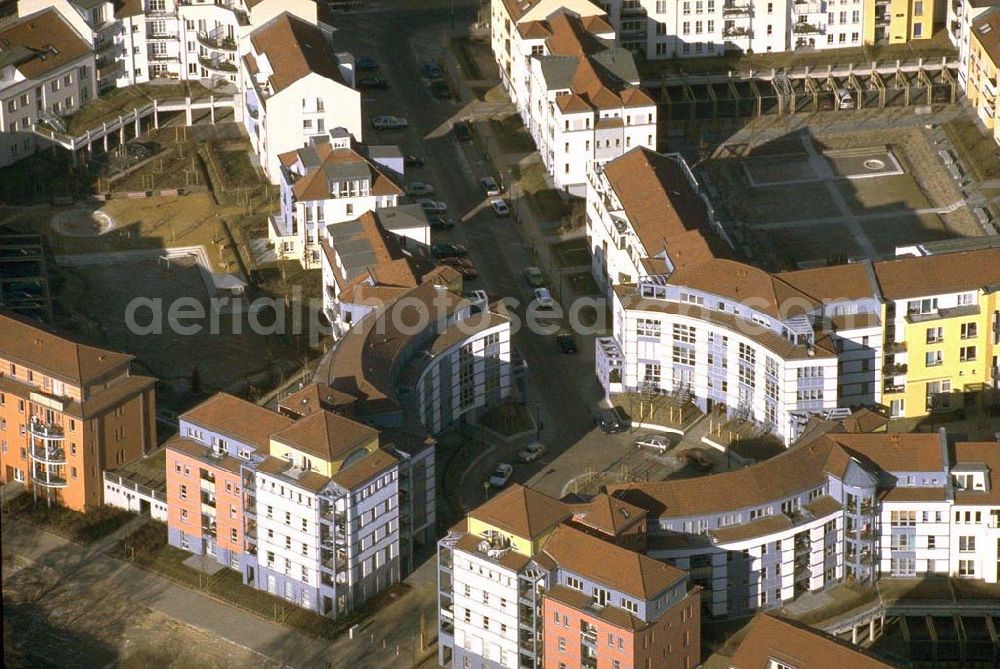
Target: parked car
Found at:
657, 442
432, 71
499, 207
365, 64
501, 475
698, 460
386, 122
462, 130
440, 89
449, 251
544, 298
490, 186
567, 342
463, 265
534, 277
432, 206
369, 83
440, 223
613, 420
532, 451
419, 188
412, 161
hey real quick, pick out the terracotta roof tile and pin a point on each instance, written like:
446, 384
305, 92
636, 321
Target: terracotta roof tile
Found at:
522, 511
326, 435
315, 397
238, 419
794, 644
295, 49
27, 343
938, 274
41, 43
365, 470
606, 563
608, 514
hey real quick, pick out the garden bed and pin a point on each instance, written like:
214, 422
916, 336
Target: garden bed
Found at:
508, 419
82, 528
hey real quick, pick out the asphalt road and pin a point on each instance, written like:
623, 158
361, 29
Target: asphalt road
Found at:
561, 388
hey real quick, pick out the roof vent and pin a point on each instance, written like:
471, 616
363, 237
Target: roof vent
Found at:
38, 341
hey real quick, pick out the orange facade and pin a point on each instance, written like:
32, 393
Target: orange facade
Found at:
59, 446
204, 501
670, 642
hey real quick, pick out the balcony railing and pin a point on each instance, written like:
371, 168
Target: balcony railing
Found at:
736, 32
51, 455
48, 478
45, 430
808, 29
894, 369
217, 64
217, 42
736, 10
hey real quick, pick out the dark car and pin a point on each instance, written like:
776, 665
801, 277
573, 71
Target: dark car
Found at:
463, 265
365, 64
613, 420
449, 251
462, 130
566, 341
440, 223
369, 83
432, 71
440, 89
412, 161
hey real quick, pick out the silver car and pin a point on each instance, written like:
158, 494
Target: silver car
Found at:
657, 442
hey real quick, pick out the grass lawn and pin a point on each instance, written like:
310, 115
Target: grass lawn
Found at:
976, 151
122, 100
83, 528
511, 135
508, 419
544, 200
148, 548
237, 166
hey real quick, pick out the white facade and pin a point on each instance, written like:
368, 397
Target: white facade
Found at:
960, 15
484, 589
124, 494
31, 91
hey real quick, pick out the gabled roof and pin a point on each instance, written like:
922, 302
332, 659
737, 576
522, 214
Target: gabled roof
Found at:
324, 163
522, 511
315, 397
797, 645
608, 514
850, 281
26, 343
627, 571
326, 435
236, 418
986, 29
295, 49
40, 43
763, 291
905, 278
663, 208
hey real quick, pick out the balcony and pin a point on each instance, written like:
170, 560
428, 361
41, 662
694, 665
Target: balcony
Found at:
47, 478
808, 29
44, 430
633, 10
50, 455
208, 499
894, 369
894, 347
890, 388
736, 10
217, 42
736, 32
217, 65
808, 7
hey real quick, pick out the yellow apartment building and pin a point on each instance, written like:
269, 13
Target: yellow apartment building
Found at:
984, 54
898, 21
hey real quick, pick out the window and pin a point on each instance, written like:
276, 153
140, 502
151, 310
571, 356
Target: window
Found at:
935, 335
933, 358
970, 330
966, 568
967, 544
918, 8
967, 354
747, 353
903, 518
647, 327
184, 491
684, 333
686, 28
927, 306
966, 299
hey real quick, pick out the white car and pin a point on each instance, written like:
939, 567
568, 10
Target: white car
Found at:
532, 452
499, 207
419, 188
501, 475
433, 206
656, 442
389, 122
544, 298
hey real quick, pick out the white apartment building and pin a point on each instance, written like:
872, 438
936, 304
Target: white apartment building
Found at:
697, 28
576, 92
960, 14
295, 87
646, 214
859, 506
325, 184
46, 68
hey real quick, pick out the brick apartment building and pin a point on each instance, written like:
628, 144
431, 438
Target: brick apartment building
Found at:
68, 411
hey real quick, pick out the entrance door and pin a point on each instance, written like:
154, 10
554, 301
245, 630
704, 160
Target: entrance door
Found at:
272, 584
19, 475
